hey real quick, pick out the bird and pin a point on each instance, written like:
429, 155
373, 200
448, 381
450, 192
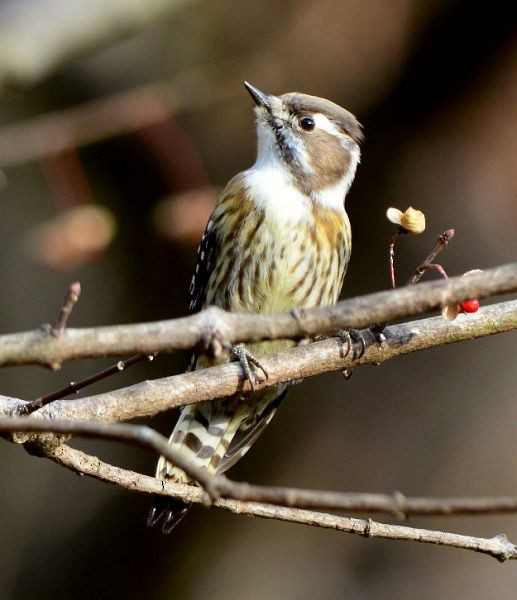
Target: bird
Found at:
278, 239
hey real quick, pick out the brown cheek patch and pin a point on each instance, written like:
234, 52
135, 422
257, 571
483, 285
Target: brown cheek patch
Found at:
328, 158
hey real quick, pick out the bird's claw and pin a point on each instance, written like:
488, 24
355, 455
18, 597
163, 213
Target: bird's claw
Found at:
354, 341
377, 331
247, 360
348, 372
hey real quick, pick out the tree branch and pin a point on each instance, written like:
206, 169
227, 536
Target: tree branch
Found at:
210, 329
150, 397
54, 133
498, 546
218, 486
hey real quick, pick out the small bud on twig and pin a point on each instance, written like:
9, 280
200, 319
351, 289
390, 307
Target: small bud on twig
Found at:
74, 291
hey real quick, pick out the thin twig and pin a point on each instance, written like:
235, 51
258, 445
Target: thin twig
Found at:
213, 325
433, 267
441, 243
219, 486
72, 296
75, 386
396, 504
391, 254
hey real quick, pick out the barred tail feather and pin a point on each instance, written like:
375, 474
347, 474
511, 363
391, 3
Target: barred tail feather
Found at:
207, 434
202, 436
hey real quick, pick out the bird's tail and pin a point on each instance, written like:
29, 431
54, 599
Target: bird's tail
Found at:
204, 434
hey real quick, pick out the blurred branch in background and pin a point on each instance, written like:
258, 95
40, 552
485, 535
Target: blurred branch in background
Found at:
251, 500
84, 232
73, 237
66, 179
92, 122
36, 38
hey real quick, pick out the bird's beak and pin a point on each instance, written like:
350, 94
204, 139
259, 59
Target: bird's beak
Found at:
260, 98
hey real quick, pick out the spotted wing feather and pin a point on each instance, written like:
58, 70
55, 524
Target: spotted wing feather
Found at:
206, 256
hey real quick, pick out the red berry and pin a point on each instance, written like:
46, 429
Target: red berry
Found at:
470, 306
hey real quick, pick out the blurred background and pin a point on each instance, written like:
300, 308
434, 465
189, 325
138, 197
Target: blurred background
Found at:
119, 123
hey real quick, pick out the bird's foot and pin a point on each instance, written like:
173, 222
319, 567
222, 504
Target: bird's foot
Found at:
354, 342
377, 331
250, 365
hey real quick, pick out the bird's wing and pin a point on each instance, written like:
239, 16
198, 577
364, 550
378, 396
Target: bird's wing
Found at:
206, 254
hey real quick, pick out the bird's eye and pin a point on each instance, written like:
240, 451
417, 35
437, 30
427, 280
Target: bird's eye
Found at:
307, 124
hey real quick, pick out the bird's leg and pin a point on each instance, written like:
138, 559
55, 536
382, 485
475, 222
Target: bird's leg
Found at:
247, 361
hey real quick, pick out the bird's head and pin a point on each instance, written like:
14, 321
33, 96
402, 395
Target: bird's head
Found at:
314, 140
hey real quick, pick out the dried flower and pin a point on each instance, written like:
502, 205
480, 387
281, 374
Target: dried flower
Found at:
411, 220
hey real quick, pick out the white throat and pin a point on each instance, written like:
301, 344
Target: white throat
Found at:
273, 190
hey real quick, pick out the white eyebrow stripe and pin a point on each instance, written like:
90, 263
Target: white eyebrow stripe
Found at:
322, 122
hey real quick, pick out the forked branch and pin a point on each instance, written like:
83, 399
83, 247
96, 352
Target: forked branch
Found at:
253, 500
